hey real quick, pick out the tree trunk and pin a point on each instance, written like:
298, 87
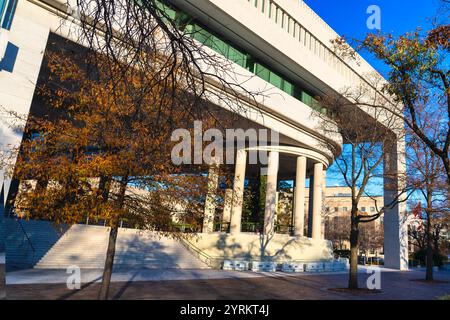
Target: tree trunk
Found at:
429, 257
111, 251
104, 186
109, 263
446, 161
353, 273
429, 212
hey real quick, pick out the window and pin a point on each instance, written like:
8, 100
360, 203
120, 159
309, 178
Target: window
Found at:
276, 80
363, 209
219, 46
3, 4
262, 72
202, 36
336, 209
240, 57
344, 209
237, 56
7, 10
306, 98
372, 209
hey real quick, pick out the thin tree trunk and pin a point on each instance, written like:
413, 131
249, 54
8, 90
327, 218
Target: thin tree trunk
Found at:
446, 162
353, 273
109, 263
111, 251
429, 257
104, 186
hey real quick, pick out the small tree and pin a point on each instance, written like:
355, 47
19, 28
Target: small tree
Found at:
428, 175
372, 237
418, 86
106, 154
337, 229
144, 75
369, 134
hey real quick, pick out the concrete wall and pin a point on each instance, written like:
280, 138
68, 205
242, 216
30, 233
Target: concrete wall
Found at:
29, 37
278, 247
59, 246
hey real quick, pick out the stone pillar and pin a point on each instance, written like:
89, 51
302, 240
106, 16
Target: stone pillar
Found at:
210, 201
238, 191
324, 200
317, 201
310, 205
299, 197
395, 223
271, 192
226, 215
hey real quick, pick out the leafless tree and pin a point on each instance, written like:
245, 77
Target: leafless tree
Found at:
428, 175
369, 135
337, 230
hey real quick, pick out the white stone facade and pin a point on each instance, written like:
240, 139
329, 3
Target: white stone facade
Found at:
294, 40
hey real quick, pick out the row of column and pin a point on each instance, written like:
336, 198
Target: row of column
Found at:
234, 198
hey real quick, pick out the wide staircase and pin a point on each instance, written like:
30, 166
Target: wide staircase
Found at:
40, 244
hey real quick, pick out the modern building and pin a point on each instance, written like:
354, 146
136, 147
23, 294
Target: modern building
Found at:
278, 45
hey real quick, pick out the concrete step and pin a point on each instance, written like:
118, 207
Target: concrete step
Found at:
86, 247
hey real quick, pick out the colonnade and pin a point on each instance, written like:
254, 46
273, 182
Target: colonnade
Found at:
234, 198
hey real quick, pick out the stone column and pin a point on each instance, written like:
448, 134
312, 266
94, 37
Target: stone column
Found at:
238, 191
210, 201
299, 197
324, 199
395, 224
271, 192
226, 215
310, 205
317, 201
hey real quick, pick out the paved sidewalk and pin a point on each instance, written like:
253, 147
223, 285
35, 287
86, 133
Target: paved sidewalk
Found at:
40, 276
2, 281
2, 276
217, 284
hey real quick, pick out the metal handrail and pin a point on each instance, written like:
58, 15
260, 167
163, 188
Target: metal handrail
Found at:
26, 235
191, 247
222, 226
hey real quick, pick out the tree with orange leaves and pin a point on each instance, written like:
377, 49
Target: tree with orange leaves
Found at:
103, 151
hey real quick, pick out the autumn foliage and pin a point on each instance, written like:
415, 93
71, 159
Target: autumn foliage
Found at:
103, 150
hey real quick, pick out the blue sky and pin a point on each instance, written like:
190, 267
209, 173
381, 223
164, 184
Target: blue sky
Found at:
349, 18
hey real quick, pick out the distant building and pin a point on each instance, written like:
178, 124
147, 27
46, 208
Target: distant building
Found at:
336, 217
